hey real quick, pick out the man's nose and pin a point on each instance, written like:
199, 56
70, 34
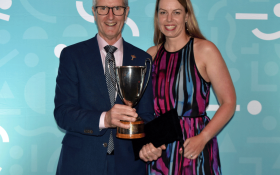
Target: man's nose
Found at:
111, 14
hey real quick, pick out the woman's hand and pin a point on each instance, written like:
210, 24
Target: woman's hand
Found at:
193, 146
150, 153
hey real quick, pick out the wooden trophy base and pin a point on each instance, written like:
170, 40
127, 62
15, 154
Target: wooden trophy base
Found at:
136, 130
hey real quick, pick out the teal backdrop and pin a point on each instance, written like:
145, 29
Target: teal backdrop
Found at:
33, 33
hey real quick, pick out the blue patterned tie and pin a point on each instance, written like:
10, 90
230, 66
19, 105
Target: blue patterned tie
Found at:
110, 85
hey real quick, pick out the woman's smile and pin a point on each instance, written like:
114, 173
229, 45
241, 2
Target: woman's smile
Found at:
170, 27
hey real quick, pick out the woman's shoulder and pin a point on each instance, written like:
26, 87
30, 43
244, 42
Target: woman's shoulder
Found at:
153, 50
204, 46
206, 50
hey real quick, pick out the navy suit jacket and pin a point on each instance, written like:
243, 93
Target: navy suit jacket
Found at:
81, 96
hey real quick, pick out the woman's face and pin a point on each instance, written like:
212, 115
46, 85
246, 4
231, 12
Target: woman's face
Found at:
172, 18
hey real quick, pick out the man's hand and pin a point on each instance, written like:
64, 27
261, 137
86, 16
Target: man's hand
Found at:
150, 153
117, 113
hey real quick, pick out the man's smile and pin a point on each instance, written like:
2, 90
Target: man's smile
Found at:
110, 23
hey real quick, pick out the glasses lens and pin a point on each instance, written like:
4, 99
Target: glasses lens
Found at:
118, 10
102, 10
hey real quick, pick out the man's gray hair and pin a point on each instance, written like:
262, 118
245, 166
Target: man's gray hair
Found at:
125, 3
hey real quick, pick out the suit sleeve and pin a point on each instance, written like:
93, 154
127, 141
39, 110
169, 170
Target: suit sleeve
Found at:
145, 108
68, 113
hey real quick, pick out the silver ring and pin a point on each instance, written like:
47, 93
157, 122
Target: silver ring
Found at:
191, 155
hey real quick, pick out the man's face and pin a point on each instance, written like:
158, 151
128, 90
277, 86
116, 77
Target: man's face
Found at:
110, 26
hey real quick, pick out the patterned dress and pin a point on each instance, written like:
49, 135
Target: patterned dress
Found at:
176, 80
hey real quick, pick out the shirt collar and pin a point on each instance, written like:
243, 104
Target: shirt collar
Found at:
102, 43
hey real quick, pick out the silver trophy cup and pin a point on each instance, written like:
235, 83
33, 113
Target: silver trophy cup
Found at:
130, 87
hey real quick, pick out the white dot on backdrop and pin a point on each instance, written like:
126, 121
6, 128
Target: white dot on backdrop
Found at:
235, 74
277, 10
271, 68
16, 170
4, 36
31, 60
5, 4
16, 152
150, 9
254, 107
58, 49
269, 123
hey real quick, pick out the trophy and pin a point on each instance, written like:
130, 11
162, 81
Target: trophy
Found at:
130, 81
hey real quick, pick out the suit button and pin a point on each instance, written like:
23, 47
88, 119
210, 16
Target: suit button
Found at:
85, 131
90, 131
105, 145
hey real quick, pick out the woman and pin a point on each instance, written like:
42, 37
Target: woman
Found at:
185, 65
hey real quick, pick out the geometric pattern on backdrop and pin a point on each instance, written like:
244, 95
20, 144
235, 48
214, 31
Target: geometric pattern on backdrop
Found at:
33, 34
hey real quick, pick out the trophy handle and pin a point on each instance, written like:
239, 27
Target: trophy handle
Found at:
147, 60
114, 81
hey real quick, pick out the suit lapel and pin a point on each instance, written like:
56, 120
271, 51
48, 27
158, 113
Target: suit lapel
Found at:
127, 52
96, 71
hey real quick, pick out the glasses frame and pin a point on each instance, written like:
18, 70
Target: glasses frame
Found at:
110, 9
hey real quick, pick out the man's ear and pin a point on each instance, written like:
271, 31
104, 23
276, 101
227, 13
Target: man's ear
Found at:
126, 12
93, 12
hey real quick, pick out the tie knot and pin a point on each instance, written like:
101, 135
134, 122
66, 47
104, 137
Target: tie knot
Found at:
110, 49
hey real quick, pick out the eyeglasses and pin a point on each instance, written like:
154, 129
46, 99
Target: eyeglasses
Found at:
104, 10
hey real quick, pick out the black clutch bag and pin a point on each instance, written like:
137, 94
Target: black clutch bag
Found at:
162, 130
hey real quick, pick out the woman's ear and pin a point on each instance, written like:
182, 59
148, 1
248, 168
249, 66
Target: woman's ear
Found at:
186, 17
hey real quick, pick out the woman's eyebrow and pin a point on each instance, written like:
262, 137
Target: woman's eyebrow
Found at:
173, 10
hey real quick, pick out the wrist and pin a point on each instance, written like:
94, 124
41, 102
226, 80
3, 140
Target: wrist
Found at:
205, 136
105, 121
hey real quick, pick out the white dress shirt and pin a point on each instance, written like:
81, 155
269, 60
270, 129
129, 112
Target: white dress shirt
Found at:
118, 54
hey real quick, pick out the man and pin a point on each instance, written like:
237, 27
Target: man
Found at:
86, 109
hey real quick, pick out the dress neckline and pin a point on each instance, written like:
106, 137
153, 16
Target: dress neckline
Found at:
179, 49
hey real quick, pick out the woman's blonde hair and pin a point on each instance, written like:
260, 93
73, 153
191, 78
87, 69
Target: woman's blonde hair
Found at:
191, 27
